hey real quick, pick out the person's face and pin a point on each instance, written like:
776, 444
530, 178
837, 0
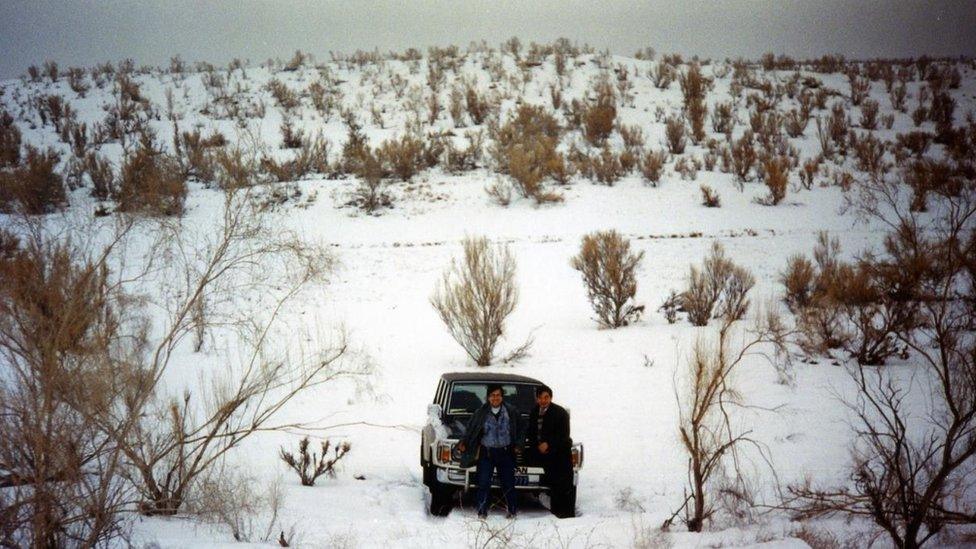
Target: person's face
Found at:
495, 398
543, 399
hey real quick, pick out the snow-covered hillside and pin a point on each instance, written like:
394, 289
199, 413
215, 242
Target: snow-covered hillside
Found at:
620, 384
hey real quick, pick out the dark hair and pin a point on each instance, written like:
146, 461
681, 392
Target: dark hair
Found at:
543, 389
495, 387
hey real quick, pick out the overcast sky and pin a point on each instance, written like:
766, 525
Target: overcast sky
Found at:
150, 32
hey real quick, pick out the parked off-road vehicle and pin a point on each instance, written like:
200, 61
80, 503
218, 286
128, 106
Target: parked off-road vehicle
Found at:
457, 397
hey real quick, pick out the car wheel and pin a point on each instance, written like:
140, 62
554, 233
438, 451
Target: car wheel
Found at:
441, 499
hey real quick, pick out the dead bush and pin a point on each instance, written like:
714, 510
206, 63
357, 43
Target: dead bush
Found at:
102, 176
662, 74
694, 88
743, 156
286, 98
33, 187
916, 142
710, 197
869, 114
717, 290
599, 119
525, 148
71, 348
609, 271
607, 168
291, 137
476, 295
233, 499
9, 141
723, 119
674, 133
652, 166
151, 183
796, 122
799, 283
860, 87
776, 176
403, 157
310, 467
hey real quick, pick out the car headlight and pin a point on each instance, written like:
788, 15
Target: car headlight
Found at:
444, 452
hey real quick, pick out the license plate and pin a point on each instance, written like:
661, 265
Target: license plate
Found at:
520, 480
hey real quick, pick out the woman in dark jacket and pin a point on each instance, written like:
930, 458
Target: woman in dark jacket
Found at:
493, 436
552, 448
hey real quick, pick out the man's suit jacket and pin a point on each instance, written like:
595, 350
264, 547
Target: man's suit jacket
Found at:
555, 432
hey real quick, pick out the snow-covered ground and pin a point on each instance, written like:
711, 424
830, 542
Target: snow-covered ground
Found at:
620, 384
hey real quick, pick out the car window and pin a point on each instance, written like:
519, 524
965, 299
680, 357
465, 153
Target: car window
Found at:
466, 397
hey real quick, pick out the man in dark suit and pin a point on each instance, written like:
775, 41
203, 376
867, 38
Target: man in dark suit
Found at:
552, 448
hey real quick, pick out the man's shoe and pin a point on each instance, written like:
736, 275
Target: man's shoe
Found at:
482, 516
511, 516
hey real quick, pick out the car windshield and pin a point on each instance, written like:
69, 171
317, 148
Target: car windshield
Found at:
466, 397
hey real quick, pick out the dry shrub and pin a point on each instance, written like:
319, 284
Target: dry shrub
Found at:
600, 118
606, 166
710, 197
291, 137
925, 177
310, 466
70, 350
776, 177
102, 176
869, 114
9, 140
369, 194
799, 282
500, 191
743, 157
476, 295
286, 98
860, 87
525, 148
151, 183
717, 290
869, 152
34, 187
723, 118
478, 106
687, 168
194, 153
233, 499
808, 172
662, 74
694, 88
609, 270
403, 157
652, 166
311, 157
916, 142
796, 122
633, 136
674, 133
817, 538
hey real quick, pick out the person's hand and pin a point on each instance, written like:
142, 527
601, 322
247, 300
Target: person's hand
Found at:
460, 446
543, 447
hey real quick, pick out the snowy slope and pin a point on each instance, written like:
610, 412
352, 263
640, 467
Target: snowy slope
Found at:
618, 383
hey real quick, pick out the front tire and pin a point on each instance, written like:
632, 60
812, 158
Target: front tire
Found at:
441, 495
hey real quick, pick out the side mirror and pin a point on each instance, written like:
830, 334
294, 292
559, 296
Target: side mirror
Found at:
435, 410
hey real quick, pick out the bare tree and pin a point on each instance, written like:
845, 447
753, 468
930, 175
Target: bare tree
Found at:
705, 424
912, 473
476, 295
185, 429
